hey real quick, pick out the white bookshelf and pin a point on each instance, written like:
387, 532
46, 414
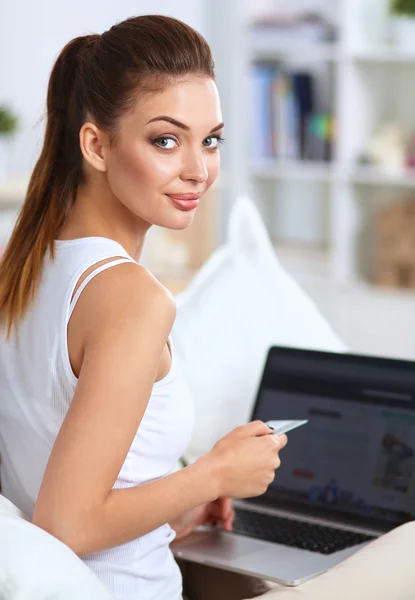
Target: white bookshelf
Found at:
381, 55
297, 170
314, 52
371, 84
369, 176
330, 173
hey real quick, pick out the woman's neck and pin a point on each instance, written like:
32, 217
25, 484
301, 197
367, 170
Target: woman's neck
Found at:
97, 212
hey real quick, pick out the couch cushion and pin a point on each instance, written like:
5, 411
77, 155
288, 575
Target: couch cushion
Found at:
35, 565
239, 304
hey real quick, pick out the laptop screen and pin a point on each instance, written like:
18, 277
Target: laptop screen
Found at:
354, 461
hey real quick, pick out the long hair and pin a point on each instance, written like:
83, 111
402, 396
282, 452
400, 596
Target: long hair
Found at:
98, 77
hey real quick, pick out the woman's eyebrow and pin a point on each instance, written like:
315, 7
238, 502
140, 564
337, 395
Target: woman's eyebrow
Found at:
180, 124
220, 126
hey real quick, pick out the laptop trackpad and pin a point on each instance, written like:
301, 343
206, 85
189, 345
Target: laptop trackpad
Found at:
216, 545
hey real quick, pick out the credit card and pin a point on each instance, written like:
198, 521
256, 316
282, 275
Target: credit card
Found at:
280, 427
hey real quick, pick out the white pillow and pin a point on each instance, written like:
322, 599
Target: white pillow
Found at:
239, 304
35, 565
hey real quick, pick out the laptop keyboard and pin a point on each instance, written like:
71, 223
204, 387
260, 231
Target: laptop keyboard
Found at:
299, 534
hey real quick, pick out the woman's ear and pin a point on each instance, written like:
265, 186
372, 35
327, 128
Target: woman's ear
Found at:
93, 143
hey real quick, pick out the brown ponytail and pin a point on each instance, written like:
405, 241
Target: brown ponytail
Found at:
97, 77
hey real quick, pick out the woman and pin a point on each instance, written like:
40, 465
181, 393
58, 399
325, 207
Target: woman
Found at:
94, 413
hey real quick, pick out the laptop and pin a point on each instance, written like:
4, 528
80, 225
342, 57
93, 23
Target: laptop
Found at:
346, 477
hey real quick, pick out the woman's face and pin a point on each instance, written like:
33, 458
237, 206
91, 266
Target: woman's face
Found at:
167, 153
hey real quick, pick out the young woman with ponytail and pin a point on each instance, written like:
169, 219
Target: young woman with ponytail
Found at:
94, 412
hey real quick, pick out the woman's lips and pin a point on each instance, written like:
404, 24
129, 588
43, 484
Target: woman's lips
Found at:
185, 201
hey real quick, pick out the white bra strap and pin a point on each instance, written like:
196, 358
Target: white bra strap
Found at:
85, 282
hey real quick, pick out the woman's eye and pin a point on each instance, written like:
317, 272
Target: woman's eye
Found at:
212, 142
166, 143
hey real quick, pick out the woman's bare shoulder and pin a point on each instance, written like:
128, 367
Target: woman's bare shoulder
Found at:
125, 292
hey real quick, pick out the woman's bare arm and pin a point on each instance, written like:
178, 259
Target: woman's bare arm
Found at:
126, 317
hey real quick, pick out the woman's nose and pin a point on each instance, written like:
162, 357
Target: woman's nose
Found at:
194, 167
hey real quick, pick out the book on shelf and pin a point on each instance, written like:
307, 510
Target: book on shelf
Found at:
287, 121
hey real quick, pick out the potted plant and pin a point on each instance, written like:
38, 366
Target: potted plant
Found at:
8, 121
403, 13
8, 126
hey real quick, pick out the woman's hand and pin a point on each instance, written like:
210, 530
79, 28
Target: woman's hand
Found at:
244, 464
219, 512
244, 461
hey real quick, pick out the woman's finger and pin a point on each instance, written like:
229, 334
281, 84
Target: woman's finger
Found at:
229, 521
225, 507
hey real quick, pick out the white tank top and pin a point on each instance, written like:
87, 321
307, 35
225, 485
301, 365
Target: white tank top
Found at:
36, 387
